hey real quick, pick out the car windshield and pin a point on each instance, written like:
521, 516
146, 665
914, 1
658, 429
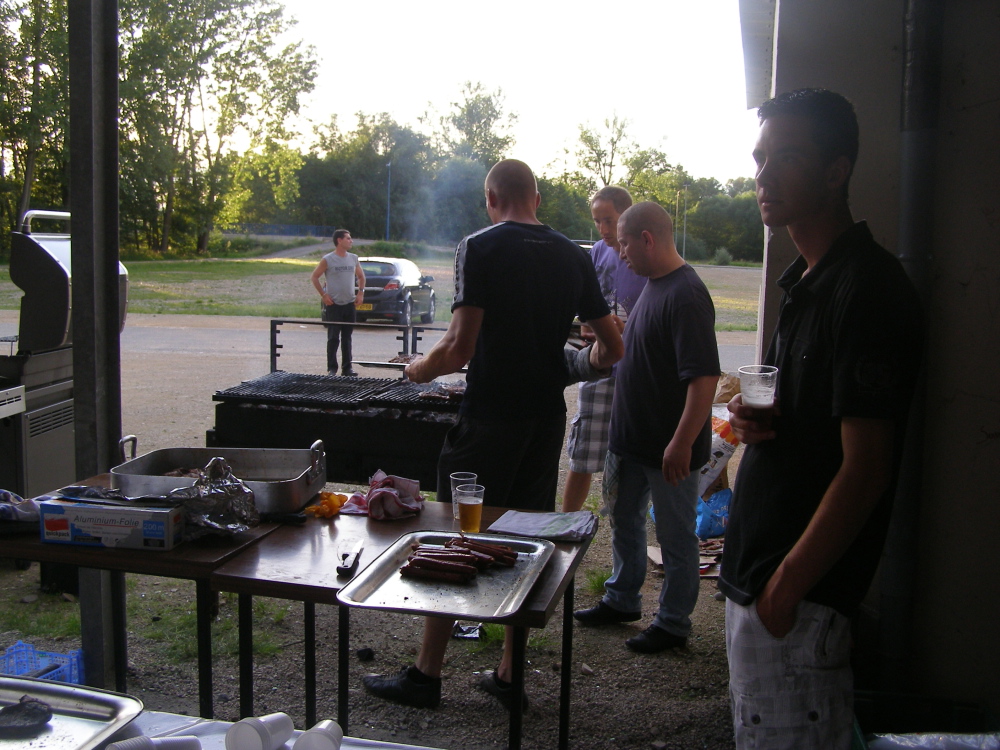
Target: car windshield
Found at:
378, 269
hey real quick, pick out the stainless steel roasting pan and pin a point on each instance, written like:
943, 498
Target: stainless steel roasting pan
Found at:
283, 480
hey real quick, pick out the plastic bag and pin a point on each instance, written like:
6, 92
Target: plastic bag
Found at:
713, 515
217, 503
724, 445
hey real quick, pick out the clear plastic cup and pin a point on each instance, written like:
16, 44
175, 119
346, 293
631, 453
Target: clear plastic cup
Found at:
757, 384
268, 732
326, 735
470, 507
458, 479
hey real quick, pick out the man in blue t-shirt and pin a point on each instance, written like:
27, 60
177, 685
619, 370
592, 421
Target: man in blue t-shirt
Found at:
587, 444
660, 433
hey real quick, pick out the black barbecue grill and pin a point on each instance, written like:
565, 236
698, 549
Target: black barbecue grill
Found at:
366, 424
37, 438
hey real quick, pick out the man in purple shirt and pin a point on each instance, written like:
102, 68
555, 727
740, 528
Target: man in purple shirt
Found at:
587, 444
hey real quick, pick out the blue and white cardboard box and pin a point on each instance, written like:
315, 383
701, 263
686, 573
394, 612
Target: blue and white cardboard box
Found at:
115, 526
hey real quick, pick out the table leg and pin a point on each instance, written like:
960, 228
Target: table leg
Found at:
119, 620
567, 665
309, 614
343, 652
245, 609
517, 685
204, 599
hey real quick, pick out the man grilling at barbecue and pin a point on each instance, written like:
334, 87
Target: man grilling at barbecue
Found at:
509, 323
340, 300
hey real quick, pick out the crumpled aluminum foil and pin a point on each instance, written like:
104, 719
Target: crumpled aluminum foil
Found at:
218, 503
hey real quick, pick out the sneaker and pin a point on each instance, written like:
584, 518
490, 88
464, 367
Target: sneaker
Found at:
503, 693
653, 640
604, 614
349, 373
332, 372
402, 688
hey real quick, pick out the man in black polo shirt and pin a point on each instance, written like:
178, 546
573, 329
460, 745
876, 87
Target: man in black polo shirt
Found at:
813, 493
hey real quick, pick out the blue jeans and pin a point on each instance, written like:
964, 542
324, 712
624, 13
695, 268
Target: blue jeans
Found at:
675, 509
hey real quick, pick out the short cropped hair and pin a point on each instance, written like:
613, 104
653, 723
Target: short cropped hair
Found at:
618, 197
512, 182
834, 122
340, 234
647, 217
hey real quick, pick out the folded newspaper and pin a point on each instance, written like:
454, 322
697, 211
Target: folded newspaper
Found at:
565, 527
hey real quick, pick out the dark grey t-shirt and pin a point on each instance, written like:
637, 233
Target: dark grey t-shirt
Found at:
530, 282
669, 341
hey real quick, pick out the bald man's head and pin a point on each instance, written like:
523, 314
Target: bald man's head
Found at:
646, 240
513, 183
647, 217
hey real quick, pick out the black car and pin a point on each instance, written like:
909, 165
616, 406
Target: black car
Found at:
395, 289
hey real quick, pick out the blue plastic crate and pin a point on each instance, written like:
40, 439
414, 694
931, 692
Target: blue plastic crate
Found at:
22, 658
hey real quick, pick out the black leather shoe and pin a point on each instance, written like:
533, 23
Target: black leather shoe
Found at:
349, 373
505, 695
401, 688
604, 614
653, 640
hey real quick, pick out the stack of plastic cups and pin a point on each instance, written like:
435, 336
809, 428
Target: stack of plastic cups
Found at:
157, 743
260, 733
326, 735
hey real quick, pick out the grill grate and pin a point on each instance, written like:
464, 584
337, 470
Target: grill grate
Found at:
407, 396
306, 390
329, 391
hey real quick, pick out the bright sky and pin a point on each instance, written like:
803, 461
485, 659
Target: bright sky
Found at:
673, 69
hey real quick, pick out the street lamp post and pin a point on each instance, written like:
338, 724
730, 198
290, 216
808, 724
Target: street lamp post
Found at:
388, 198
677, 211
684, 246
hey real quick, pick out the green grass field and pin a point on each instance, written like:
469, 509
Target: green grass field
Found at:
280, 288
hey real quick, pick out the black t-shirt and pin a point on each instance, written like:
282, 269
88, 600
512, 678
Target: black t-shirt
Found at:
669, 341
847, 344
530, 282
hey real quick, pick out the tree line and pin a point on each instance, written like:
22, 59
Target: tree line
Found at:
206, 95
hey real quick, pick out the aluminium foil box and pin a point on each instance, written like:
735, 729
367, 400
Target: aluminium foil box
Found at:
111, 526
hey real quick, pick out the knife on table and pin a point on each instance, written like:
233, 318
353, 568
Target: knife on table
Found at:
347, 556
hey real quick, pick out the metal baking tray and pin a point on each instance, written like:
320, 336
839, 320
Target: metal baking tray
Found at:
493, 594
82, 717
283, 480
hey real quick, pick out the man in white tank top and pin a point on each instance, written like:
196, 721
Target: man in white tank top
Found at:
340, 270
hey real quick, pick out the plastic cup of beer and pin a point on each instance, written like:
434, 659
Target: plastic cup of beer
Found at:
757, 384
457, 480
470, 507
